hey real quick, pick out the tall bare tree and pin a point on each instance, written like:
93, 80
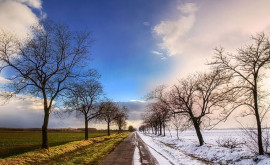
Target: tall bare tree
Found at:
83, 98
150, 121
44, 64
108, 111
212, 96
199, 97
158, 115
155, 116
247, 67
161, 97
196, 97
121, 118
183, 97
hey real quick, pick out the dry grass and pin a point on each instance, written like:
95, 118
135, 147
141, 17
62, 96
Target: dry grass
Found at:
77, 152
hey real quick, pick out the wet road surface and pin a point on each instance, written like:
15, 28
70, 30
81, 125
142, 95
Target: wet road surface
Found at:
123, 154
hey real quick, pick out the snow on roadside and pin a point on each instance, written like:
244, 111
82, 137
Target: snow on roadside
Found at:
187, 151
159, 157
136, 157
166, 155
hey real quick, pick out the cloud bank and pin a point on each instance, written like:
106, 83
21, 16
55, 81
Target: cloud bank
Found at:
27, 112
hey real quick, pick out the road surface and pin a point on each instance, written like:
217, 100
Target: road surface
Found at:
123, 154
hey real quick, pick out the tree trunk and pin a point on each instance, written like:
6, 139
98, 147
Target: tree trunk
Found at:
45, 129
86, 128
108, 128
164, 128
177, 133
160, 129
198, 131
259, 127
170, 132
119, 129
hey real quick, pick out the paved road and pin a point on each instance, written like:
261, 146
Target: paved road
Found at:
124, 152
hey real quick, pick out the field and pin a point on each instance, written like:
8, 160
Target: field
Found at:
17, 142
90, 151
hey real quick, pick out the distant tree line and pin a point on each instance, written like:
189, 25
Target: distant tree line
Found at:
234, 82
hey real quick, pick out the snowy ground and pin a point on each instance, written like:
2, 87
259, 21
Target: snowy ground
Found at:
187, 151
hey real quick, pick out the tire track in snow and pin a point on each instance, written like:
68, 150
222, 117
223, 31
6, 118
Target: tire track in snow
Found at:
145, 156
175, 155
160, 154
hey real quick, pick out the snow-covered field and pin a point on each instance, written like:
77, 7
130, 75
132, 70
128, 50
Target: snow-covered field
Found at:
187, 151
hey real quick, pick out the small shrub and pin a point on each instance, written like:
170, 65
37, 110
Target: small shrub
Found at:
228, 142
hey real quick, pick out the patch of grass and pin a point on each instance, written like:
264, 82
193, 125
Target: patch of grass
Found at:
78, 152
17, 142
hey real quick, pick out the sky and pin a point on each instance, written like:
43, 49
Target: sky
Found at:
138, 44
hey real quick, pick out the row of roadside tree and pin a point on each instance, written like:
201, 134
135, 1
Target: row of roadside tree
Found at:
234, 82
53, 63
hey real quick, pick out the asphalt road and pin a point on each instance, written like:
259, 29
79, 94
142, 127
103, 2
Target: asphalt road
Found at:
124, 152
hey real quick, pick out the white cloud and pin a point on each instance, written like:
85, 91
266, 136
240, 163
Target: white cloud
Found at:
163, 58
3, 80
157, 53
17, 16
173, 31
188, 8
196, 29
31, 3
140, 101
146, 23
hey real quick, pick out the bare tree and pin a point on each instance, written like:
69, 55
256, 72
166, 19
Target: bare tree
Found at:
143, 128
165, 114
150, 122
199, 97
212, 96
183, 98
121, 118
162, 106
159, 115
180, 123
196, 97
44, 64
108, 111
83, 98
155, 117
247, 68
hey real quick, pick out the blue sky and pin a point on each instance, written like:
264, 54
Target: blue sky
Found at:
124, 38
